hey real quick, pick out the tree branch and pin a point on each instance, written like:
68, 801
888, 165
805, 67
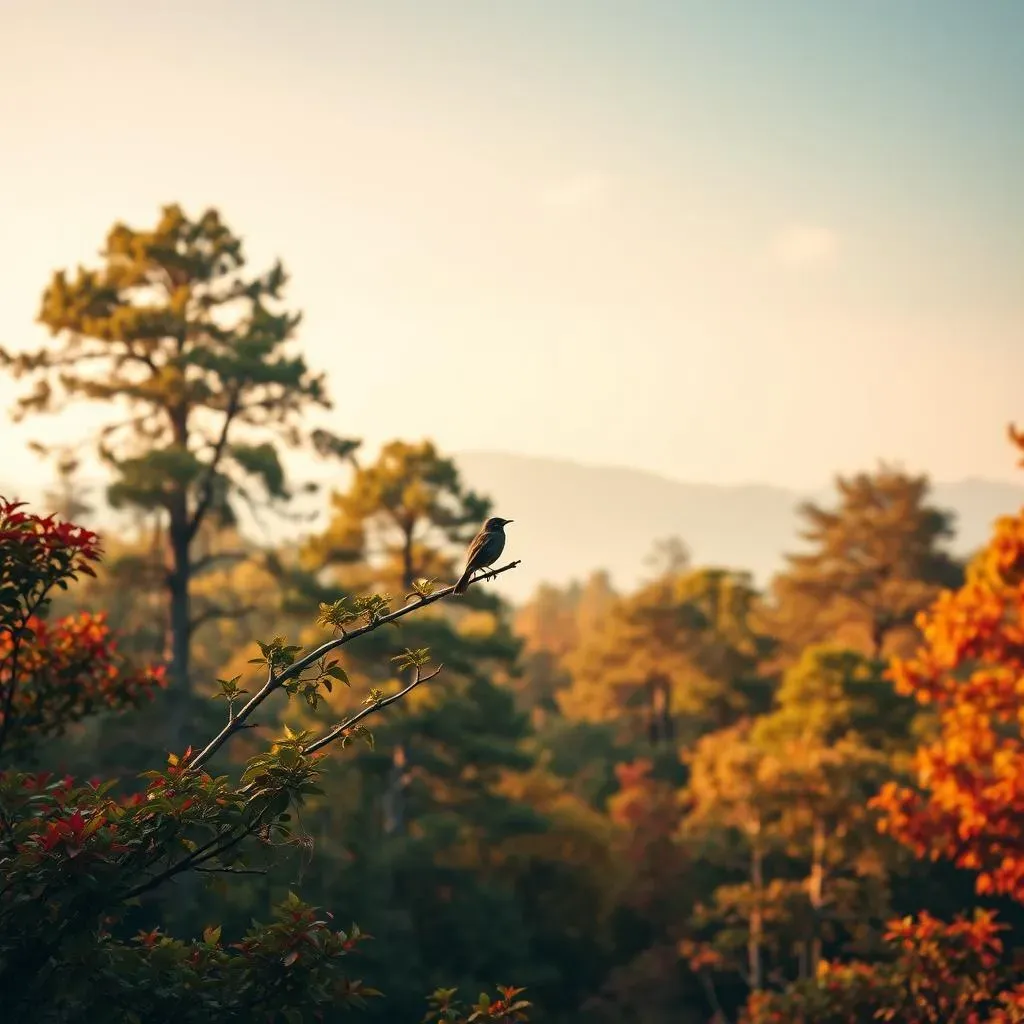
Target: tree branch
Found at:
339, 730
216, 611
276, 681
8, 697
204, 853
206, 488
207, 561
231, 871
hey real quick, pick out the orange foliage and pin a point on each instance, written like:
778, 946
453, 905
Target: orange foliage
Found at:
940, 974
72, 663
970, 802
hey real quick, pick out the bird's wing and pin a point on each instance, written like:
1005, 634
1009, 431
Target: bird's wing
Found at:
475, 545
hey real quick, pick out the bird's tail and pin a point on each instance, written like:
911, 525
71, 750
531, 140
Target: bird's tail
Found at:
460, 587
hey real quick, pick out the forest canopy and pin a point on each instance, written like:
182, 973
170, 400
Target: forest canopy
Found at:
300, 781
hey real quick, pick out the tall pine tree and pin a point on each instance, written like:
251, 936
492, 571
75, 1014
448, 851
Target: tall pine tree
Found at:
875, 560
193, 354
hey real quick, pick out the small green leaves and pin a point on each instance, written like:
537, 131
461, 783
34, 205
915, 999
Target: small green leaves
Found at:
312, 687
229, 689
370, 609
424, 587
335, 616
311, 693
412, 659
375, 696
358, 732
277, 654
334, 671
374, 607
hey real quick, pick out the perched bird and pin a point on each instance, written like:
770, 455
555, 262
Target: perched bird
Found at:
484, 550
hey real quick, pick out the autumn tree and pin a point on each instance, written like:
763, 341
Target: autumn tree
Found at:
732, 808
681, 648
195, 353
54, 672
965, 805
655, 889
401, 515
551, 625
935, 973
875, 560
780, 803
829, 772
669, 556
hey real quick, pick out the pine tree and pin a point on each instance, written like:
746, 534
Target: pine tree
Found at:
682, 647
401, 515
195, 354
876, 560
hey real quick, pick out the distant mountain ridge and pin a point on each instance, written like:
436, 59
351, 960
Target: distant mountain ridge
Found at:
571, 519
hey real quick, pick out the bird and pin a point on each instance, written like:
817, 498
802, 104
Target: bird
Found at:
484, 550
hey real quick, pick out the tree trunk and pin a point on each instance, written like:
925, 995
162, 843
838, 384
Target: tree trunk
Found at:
816, 888
756, 914
394, 794
408, 574
877, 641
178, 580
659, 727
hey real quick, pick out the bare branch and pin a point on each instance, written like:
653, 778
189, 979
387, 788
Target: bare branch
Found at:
230, 871
339, 730
276, 681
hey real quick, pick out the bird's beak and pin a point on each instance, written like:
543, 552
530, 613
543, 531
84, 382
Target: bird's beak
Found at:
507, 521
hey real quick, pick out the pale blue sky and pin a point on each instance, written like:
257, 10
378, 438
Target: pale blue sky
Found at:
723, 241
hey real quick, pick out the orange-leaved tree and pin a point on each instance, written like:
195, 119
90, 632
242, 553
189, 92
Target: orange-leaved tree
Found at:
966, 805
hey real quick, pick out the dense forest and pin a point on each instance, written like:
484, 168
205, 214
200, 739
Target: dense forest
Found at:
308, 782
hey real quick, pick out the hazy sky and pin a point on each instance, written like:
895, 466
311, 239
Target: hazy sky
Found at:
722, 241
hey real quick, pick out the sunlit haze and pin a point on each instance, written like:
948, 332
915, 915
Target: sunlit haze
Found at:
728, 242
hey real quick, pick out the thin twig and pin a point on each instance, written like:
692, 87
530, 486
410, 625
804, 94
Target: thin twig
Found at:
340, 730
230, 871
276, 681
207, 561
206, 852
216, 611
